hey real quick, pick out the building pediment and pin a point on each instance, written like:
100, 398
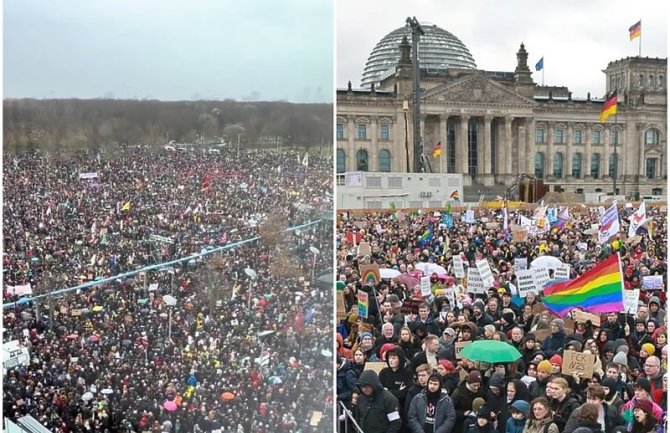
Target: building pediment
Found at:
476, 89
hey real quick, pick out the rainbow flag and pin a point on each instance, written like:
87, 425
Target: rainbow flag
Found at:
455, 196
426, 236
609, 108
599, 290
635, 30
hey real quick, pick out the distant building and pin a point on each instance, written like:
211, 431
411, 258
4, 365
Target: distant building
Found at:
494, 126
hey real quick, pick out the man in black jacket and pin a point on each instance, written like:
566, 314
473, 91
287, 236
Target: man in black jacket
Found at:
376, 409
608, 417
397, 378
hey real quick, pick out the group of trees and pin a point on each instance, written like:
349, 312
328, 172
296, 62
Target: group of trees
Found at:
71, 124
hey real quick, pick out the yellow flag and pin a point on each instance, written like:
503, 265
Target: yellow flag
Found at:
126, 205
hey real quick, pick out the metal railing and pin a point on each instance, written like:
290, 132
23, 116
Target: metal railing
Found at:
349, 424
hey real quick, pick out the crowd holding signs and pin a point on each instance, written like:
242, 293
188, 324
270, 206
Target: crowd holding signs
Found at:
238, 341
535, 321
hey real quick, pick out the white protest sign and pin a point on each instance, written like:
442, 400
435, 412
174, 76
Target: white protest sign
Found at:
475, 283
520, 263
485, 272
582, 246
653, 282
91, 175
562, 271
469, 216
153, 287
630, 300
425, 286
525, 280
541, 277
459, 271
450, 294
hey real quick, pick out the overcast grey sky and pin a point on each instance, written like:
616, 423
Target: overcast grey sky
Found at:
577, 38
169, 49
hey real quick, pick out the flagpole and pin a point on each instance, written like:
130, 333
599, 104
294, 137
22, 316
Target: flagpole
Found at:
616, 156
542, 69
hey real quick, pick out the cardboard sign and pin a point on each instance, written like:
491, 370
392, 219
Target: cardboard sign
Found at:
364, 249
630, 300
370, 274
578, 362
541, 278
341, 310
526, 282
458, 346
459, 270
520, 263
539, 308
425, 286
375, 366
475, 283
653, 282
315, 418
75, 312
362, 304
562, 271
485, 272
582, 317
410, 306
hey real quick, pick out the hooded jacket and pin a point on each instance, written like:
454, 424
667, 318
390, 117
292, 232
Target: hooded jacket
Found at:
397, 382
462, 399
445, 415
346, 382
498, 403
554, 344
378, 412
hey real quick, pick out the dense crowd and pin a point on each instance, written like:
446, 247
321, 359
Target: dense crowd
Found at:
244, 351
399, 363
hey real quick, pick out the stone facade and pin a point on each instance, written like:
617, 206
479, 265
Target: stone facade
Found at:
494, 126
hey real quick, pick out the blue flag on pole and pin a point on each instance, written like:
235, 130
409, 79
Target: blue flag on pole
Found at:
539, 65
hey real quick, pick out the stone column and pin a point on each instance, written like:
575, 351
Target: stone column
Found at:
373, 150
508, 146
398, 155
641, 169
487, 166
351, 151
607, 136
568, 151
524, 149
588, 131
481, 153
549, 166
462, 148
531, 148
442, 160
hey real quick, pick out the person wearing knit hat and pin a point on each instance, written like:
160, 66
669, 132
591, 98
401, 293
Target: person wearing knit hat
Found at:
539, 386
621, 359
556, 341
519, 412
464, 395
556, 362
477, 404
644, 419
648, 348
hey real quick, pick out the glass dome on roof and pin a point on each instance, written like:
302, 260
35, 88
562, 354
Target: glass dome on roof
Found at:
438, 50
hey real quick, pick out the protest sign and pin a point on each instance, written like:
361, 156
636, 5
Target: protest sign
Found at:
341, 310
458, 346
519, 236
469, 217
364, 249
450, 294
520, 263
475, 283
630, 300
459, 271
582, 317
582, 246
562, 271
526, 282
653, 282
541, 277
425, 286
91, 175
375, 366
579, 363
485, 272
370, 274
362, 304
410, 306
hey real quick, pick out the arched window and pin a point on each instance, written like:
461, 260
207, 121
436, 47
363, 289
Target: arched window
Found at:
577, 165
341, 161
384, 160
539, 164
652, 137
558, 165
595, 165
362, 160
612, 165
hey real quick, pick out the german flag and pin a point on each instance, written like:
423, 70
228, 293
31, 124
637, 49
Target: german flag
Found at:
437, 151
635, 30
609, 108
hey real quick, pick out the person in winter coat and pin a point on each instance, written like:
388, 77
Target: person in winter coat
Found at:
496, 399
588, 417
563, 404
485, 421
432, 410
608, 417
519, 413
469, 389
538, 388
376, 409
539, 419
421, 375
397, 377
346, 381
555, 343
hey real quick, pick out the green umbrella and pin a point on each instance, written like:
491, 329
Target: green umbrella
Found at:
490, 351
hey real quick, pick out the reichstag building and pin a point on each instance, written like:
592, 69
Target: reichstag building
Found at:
494, 126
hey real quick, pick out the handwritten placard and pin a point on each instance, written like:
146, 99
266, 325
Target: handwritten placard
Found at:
375, 366
578, 362
362, 304
425, 286
341, 310
630, 300
475, 283
541, 277
410, 306
370, 274
526, 282
485, 272
458, 346
520, 263
364, 249
562, 271
582, 317
653, 282
459, 270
